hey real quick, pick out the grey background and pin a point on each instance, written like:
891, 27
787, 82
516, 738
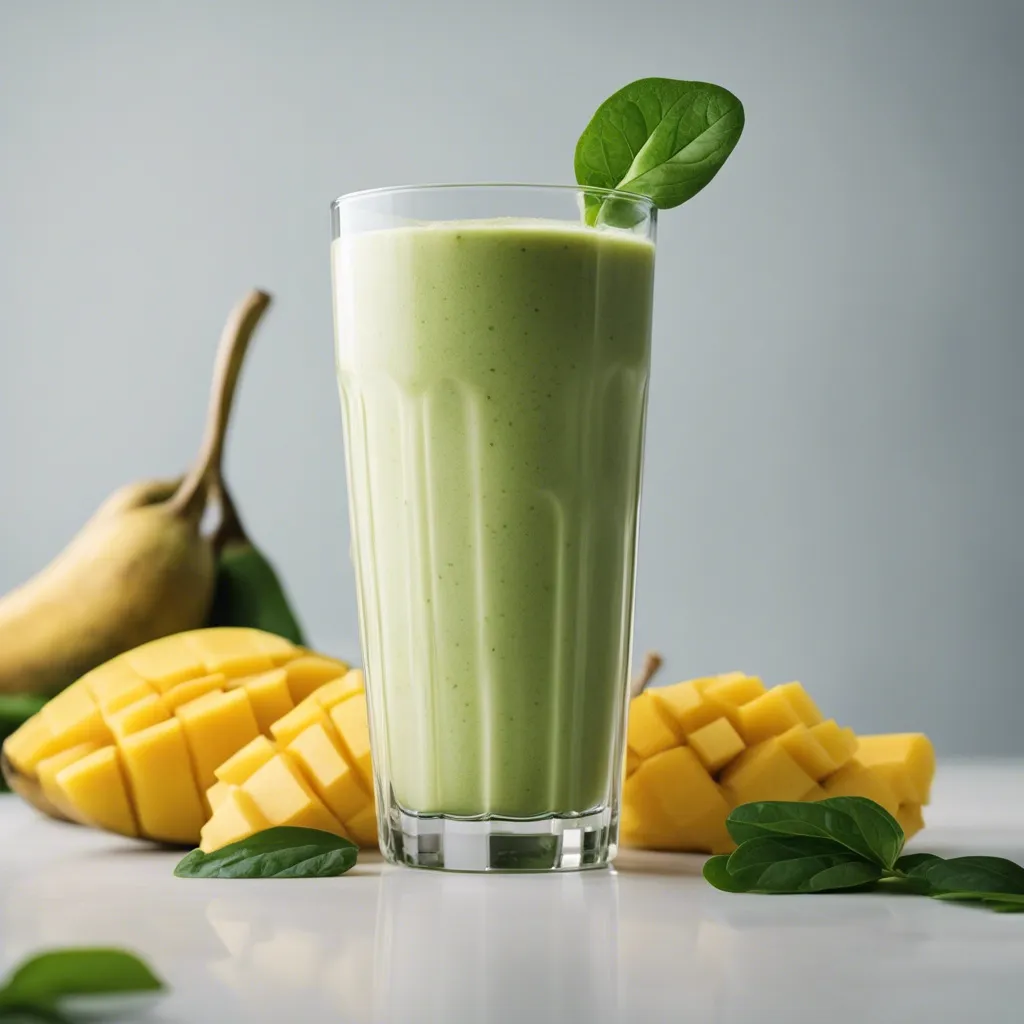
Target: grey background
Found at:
835, 489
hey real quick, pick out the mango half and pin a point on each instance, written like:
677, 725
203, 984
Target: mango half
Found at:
185, 738
697, 749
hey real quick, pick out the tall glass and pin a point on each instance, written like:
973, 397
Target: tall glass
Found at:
493, 352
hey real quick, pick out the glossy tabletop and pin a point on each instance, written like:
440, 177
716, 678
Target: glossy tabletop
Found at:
647, 941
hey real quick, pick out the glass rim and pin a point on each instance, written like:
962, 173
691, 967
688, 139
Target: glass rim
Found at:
384, 190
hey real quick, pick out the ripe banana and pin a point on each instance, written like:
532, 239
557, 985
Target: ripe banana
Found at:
138, 570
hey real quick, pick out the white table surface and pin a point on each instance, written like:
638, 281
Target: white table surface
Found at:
648, 941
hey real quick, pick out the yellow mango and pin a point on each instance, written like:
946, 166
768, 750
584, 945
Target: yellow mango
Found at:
680, 787
285, 798
216, 725
633, 761
221, 651
166, 662
108, 684
734, 690
839, 744
235, 817
269, 696
94, 785
856, 779
350, 721
910, 818
801, 745
335, 781
48, 768
362, 829
684, 705
766, 716
298, 720
716, 744
159, 771
184, 693
309, 673
30, 744
216, 793
73, 717
135, 717
801, 702
905, 760
766, 772
340, 689
648, 732
237, 768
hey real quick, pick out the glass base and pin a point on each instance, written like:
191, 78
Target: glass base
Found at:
550, 843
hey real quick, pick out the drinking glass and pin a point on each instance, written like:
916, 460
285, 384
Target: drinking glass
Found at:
493, 357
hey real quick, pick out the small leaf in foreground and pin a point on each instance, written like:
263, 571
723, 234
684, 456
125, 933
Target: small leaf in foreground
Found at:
716, 871
44, 980
795, 864
282, 852
859, 825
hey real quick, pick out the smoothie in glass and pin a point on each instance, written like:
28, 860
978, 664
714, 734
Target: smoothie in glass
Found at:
494, 377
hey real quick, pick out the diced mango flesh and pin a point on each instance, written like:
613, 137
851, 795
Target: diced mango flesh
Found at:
684, 705
237, 768
285, 798
184, 693
94, 785
350, 721
336, 782
269, 696
766, 716
235, 817
362, 829
159, 771
716, 744
216, 725
307, 674
138, 716
801, 745
766, 772
648, 732
907, 761
48, 769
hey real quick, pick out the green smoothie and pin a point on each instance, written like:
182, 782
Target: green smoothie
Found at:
494, 384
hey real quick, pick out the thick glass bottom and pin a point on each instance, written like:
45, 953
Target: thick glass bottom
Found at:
550, 843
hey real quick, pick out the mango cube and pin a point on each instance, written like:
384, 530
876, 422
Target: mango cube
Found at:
309, 673
807, 751
138, 716
338, 690
672, 790
648, 732
159, 771
335, 781
350, 721
856, 779
48, 769
269, 696
229, 650
801, 702
766, 716
716, 744
905, 760
766, 772
94, 785
237, 768
30, 744
216, 725
362, 829
910, 818
734, 690
166, 662
839, 744
684, 705
73, 717
184, 693
298, 720
285, 798
235, 817
116, 685
216, 793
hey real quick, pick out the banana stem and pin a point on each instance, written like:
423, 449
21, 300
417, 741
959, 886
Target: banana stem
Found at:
652, 662
230, 528
190, 498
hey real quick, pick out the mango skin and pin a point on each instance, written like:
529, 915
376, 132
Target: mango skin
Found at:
135, 745
745, 743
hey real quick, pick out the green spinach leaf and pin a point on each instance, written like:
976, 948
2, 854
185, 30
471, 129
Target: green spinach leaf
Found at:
794, 864
659, 137
282, 852
861, 826
43, 980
